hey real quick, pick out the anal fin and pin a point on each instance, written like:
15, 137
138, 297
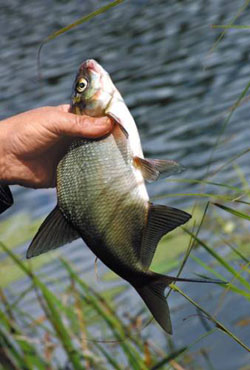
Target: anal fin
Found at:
6, 199
54, 232
153, 169
161, 220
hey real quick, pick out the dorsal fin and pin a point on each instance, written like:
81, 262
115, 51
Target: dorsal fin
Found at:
161, 220
6, 199
54, 232
153, 169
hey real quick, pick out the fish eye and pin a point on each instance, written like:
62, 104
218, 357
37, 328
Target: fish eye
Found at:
81, 85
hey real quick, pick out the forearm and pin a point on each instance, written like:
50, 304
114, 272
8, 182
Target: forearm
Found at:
6, 199
11, 169
14, 169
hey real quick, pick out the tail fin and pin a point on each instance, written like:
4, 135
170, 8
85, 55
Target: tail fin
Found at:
152, 293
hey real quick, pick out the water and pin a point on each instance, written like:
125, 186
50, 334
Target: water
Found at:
179, 92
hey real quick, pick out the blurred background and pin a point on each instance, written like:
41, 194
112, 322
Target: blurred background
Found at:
180, 87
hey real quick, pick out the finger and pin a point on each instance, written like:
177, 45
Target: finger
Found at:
64, 107
85, 126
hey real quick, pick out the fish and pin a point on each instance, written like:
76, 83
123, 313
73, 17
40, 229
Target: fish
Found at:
102, 196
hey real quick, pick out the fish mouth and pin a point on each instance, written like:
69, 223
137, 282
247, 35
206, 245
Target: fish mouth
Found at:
77, 106
92, 65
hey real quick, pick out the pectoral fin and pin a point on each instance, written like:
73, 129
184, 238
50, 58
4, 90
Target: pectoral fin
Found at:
161, 220
153, 169
118, 122
54, 232
6, 199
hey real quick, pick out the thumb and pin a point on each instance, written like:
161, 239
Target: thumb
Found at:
85, 126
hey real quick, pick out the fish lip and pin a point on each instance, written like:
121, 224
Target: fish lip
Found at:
91, 64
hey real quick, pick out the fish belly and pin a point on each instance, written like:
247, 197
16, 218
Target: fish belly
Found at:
104, 197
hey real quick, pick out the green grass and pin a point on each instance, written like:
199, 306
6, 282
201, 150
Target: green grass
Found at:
71, 324
71, 327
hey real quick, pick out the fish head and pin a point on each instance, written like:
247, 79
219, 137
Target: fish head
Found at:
93, 89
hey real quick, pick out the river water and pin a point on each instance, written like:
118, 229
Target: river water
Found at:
178, 85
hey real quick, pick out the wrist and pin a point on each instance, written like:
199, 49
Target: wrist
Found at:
4, 161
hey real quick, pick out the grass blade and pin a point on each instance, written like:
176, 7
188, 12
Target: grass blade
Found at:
219, 276
220, 259
240, 11
111, 360
52, 312
231, 26
224, 197
83, 19
9, 350
239, 254
62, 332
113, 323
24, 353
79, 21
168, 358
212, 318
233, 211
205, 182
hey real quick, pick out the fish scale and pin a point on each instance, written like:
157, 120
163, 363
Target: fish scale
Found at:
103, 182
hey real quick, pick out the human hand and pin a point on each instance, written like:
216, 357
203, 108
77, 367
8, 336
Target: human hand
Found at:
32, 143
